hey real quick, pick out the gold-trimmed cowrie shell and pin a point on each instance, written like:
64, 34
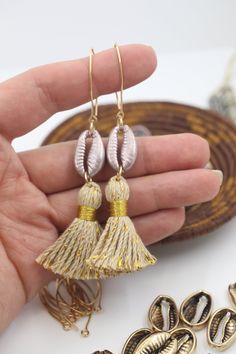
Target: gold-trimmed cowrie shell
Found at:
163, 314
187, 341
222, 328
103, 352
195, 311
157, 343
134, 339
232, 293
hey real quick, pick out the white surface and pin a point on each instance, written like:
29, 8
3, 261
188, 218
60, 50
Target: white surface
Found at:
205, 263
186, 34
33, 32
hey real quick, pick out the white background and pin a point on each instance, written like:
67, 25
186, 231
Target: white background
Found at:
193, 40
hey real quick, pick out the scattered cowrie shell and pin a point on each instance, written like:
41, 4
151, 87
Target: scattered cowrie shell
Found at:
222, 328
134, 339
232, 293
186, 339
103, 352
158, 343
128, 151
195, 311
163, 314
95, 156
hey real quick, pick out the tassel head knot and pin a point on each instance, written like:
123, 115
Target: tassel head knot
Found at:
90, 196
117, 189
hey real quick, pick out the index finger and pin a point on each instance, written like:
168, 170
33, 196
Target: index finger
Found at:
29, 99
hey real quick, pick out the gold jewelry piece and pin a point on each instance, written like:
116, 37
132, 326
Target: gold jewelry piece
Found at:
135, 339
144, 341
196, 309
157, 342
71, 300
103, 352
187, 341
232, 293
120, 249
222, 329
67, 256
163, 314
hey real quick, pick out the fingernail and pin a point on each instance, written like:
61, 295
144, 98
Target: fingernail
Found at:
219, 174
208, 165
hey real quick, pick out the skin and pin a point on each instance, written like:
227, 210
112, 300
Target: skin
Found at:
36, 206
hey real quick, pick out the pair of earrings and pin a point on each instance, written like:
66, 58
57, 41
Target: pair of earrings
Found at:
86, 251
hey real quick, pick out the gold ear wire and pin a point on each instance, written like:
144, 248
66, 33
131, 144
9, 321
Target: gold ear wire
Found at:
94, 101
67, 256
72, 301
119, 96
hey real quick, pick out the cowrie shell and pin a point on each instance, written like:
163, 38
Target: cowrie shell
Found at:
222, 328
163, 314
96, 154
128, 151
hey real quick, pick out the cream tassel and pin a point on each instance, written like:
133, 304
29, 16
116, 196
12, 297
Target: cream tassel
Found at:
119, 249
68, 255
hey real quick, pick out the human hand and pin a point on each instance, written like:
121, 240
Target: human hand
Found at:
38, 188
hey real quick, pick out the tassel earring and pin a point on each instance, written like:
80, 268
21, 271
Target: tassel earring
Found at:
119, 248
67, 256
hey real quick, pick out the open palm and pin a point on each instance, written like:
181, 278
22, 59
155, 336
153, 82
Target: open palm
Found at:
38, 188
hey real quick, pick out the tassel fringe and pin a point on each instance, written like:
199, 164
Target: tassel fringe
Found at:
119, 249
68, 255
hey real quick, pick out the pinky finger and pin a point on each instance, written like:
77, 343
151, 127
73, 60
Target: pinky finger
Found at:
159, 225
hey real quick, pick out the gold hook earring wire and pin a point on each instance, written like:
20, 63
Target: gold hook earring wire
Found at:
119, 96
94, 101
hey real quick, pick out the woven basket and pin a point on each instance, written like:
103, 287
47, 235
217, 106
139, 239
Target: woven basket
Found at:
168, 118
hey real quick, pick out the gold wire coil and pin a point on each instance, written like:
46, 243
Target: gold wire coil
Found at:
87, 213
119, 208
71, 300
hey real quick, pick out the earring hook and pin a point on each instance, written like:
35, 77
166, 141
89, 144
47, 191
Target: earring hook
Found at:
94, 101
119, 96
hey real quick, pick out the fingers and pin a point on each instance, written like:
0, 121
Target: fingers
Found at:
155, 155
12, 292
32, 97
149, 194
159, 225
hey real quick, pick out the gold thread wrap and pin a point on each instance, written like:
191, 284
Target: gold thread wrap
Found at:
86, 213
118, 208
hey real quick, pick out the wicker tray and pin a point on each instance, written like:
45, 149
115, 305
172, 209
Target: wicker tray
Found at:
167, 118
